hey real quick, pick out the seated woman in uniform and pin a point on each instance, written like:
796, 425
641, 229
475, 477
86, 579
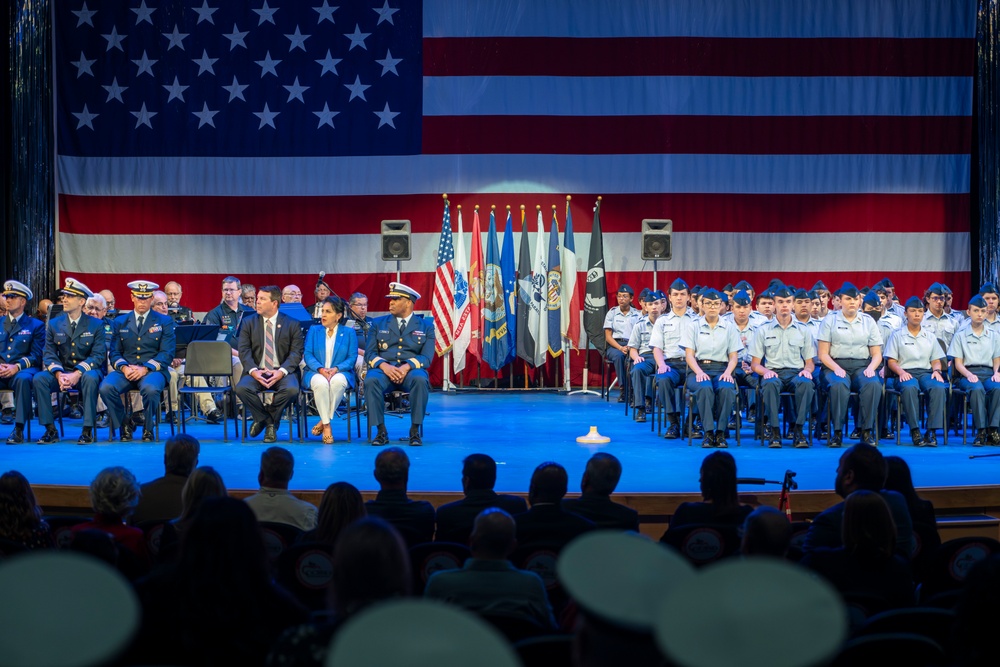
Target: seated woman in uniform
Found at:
976, 351
711, 345
916, 358
330, 350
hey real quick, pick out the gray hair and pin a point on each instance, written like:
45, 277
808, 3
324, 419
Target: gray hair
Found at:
114, 491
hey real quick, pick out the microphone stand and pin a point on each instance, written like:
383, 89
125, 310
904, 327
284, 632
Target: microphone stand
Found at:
982, 456
788, 483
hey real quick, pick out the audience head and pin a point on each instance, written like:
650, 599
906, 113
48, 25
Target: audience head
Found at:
277, 465
180, 454
370, 564
223, 545
114, 492
601, 474
96, 306
868, 529
19, 511
290, 294
359, 302
861, 467
766, 532
248, 295
479, 473
392, 468
718, 479
268, 300
160, 302
43, 308
493, 534
549, 483
341, 506
202, 483
173, 291
109, 298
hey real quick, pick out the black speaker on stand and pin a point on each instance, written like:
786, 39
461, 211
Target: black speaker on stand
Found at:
396, 242
656, 244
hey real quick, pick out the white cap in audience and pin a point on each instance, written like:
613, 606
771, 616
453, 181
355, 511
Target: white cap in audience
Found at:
621, 578
757, 612
64, 610
419, 633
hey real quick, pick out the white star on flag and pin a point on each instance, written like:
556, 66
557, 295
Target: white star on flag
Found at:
266, 14
325, 12
357, 88
87, 15
143, 13
385, 116
298, 40
325, 116
329, 64
236, 90
205, 64
236, 38
176, 91
85, 117
115, 91
114, 40
267, 65
357, 38
205, 13
389, 63
143, 117
266, 117
295, 91
145, 65
385, 13
205, 116
176, 38
83, 65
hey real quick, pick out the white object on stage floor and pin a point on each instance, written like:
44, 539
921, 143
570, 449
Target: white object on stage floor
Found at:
593, 437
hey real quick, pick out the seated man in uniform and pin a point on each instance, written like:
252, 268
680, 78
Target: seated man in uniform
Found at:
400, 349
670, 365
891, 305
174, 307
161, 305
75, 357
643, 363
22, 341
782, 351
746, 322
618, 325
976, 353
823, 292
991, 295
358, 314
142, 347
271, 346
228, 316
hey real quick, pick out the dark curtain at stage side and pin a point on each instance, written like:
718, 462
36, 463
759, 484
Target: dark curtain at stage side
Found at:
28, 244
988, 140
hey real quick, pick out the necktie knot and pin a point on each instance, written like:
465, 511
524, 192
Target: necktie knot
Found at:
402, 324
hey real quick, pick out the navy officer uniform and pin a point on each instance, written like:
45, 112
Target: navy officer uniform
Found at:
920, 357
400, 340
618, 325
782, 355
72, 346
665, 341
977, 362
643, 362
711, 352
853, 346
22, 340
145, 339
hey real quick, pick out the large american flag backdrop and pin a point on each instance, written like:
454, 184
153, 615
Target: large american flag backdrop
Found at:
788, 138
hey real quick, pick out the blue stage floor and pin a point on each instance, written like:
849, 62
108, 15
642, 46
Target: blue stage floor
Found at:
519, 430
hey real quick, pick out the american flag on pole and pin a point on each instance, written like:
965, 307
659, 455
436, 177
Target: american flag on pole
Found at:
266, 138
443, 303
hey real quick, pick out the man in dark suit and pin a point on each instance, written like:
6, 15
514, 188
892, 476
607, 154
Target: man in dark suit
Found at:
399, 352
22, 340
546, 521
599, 481
479, 474
76, 355
414, 519
161, 497
271, 348
142, 348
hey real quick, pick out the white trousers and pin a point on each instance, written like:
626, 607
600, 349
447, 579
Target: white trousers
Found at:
328, 394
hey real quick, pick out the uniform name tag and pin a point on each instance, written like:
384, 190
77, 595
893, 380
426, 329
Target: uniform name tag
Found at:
383, 331
123, 330
87, 334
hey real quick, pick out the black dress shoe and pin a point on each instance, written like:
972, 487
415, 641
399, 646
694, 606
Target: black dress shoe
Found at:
720, 440
799, 439
836, 440
147, 435
918, 440
257, 428
102, 420
868, 437
126, 432
823, 433
215, 416
381, 438
621, 397
993, 435
982, 438
697, 431
855, 434
75, 412
138, 418
415, 439
86, 437
51, 436
673, 431
7, 417
270, 434
16, 436
930, 438
886, 434
709, 441
640, 415
773, 437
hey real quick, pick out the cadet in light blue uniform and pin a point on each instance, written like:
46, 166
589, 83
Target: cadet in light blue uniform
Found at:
935, 319
142, 349
917, 358
670, 364
22, 340
976, 353
618, 325
782, 354
711, 347
742, 318
891, 306
991, 295
850, 349
76, 354
643, 363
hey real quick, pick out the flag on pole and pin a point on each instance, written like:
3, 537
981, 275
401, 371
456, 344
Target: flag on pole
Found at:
509, 288
570, 320
463, 327
595, 305
554, 290
476, 290
443, 300
525, 334
538, 318
496, 344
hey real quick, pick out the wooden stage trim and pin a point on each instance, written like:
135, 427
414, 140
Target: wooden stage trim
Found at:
655, 509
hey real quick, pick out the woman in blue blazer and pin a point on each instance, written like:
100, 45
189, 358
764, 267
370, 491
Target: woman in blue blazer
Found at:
329, 355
